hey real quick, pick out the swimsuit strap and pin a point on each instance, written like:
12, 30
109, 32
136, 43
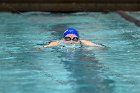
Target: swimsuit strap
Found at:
81, 43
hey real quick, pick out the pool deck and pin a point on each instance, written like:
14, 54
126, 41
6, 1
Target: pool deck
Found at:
69, 5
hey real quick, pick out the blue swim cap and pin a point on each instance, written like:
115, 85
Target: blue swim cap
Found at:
71, 31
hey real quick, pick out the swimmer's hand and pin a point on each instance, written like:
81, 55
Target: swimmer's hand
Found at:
103, 47
39, 48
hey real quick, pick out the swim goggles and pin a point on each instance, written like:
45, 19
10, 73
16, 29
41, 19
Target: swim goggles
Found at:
73, 39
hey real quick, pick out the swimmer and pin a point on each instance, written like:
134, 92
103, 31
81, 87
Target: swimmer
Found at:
71, 37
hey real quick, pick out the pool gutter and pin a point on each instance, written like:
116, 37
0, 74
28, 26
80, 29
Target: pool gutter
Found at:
69, 5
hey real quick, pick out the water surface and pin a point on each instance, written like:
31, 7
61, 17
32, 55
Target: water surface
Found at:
60, 70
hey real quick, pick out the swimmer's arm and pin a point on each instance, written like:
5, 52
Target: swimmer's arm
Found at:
89, 43
52, 44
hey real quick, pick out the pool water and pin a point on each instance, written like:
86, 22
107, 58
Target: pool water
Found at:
24, 69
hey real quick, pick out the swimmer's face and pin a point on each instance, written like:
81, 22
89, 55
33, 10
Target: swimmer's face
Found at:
71, 38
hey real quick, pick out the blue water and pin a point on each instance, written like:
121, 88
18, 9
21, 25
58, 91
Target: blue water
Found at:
24, 69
